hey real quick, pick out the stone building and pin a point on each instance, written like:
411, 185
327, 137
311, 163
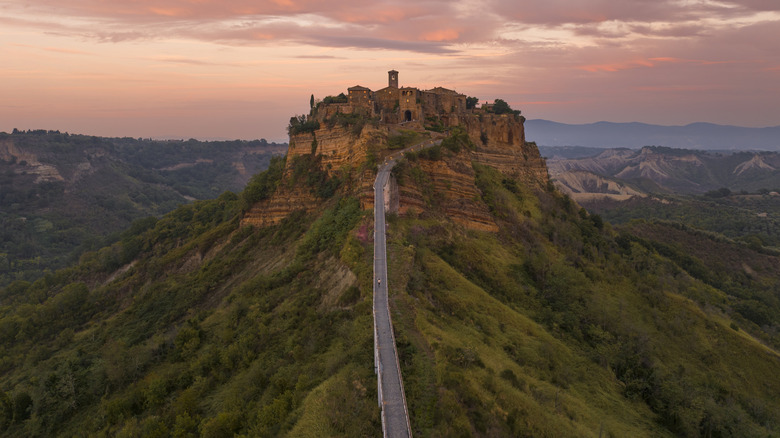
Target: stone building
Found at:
394, 104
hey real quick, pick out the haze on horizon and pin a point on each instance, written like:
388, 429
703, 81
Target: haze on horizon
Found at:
241, 68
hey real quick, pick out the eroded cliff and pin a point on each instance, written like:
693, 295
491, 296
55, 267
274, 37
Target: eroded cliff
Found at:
349, 151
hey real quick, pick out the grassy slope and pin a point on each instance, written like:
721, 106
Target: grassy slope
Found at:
213, 330
555, 326
750, 218
551, 328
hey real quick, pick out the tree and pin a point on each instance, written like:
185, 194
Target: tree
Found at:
311, 101
471, 102
501, 107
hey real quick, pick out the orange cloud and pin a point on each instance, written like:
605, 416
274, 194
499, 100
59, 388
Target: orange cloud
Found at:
169, 12
615, 67
441, 35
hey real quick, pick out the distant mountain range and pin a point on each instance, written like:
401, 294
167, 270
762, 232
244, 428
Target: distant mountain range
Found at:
705, 136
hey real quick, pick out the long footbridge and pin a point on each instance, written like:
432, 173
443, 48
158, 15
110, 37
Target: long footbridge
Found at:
392, 400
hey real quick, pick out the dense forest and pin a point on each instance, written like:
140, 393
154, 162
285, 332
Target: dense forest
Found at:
62, 194
557, 325
750, 218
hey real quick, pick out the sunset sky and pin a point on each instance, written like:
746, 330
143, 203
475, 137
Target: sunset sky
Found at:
241, 68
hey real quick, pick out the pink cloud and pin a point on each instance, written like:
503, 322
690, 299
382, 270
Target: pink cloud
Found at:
555, 12
381, 14
441, 35
617, 66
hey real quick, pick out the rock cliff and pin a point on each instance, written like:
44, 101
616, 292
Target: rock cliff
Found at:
349, 152
500, 141
447, 185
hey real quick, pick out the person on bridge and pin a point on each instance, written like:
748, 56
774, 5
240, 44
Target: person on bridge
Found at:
379, 281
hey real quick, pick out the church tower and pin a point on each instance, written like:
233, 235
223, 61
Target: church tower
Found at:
392, 79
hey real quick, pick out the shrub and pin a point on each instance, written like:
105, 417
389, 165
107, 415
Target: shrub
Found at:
404, 138
458, 139
501, 107
301, 124
264, 184
341, 98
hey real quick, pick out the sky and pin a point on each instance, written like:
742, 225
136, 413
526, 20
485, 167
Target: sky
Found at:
239, 69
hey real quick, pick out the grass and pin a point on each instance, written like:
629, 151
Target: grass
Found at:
556, 325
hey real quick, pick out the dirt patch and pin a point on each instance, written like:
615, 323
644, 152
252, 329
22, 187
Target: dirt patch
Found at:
335, 277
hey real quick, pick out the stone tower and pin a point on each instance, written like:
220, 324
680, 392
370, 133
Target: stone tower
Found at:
392, 79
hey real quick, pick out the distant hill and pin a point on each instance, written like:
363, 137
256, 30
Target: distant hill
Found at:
666, 170
734, 194
705, 136
63, 193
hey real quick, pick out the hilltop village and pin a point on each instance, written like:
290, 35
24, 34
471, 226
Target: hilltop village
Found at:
394, 104
347, 135
404, 105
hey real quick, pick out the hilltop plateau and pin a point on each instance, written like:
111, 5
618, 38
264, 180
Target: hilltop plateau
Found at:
516, 312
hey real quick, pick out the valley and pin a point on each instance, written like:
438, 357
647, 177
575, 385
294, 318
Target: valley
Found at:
63, 194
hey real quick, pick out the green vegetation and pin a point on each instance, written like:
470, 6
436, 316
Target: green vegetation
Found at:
559, 326
457, 140
403, 138
433, 123
750, 218
471, 102
341, 98
308, 169
263, 184
501, 107
200, 334
556, 325
91, 188
353, 121
301, 124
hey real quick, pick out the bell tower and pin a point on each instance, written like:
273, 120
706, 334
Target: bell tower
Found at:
392, 79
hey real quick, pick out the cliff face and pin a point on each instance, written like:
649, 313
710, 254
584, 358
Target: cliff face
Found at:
342, 152
338, 145
9, 152
446, 185
500, 141
284, 202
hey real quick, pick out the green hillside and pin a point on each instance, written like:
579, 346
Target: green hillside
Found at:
750, 218
557, 325
62, 194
